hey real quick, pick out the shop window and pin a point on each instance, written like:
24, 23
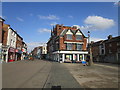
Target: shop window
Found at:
68, 57
81, 57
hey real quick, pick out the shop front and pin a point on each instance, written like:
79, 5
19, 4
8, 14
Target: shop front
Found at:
18, 54
11, 54
70, 56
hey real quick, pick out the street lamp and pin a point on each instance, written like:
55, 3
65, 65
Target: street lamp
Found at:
89, 50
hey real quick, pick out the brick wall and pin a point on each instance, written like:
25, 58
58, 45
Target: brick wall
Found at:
5, 33
62, 46
19, 43
0, 32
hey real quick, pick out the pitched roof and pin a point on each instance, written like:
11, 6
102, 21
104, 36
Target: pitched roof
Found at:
106, 41
73, 31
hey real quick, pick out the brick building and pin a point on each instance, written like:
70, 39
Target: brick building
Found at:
107, 50
12, 44
40, 52
24, 50
1, 36
67, 44
19, 46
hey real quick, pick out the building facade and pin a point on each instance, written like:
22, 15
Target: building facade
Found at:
24, 50
19, 46
67, 44
107, 50
1, 36
12, 44
40, 52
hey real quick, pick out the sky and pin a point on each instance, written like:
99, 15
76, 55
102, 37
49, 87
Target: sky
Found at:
34, 20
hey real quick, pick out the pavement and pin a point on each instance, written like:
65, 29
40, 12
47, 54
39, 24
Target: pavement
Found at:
37, 74
100, 75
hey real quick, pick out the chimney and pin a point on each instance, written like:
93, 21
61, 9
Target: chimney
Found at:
110, 37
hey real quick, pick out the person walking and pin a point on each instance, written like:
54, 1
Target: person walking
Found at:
87, 60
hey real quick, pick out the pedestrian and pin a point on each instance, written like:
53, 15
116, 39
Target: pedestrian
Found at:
84, 62
87, 60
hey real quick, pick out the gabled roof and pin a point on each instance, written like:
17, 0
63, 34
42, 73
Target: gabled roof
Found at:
1, 19
106, 41
73, 31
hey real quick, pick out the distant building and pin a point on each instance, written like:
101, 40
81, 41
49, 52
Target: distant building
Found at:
40, 52
24, 50
107, 50
67, 44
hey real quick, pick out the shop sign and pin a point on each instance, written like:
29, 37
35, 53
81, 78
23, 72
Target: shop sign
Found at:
16, 50
11, 49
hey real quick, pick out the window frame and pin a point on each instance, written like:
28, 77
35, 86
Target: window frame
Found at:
68, 47
81, 38
68, 37
77, 46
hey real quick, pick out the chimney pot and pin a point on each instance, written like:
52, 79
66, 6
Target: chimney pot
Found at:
110, 37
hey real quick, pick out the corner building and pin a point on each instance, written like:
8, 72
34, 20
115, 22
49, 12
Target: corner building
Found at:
67, 44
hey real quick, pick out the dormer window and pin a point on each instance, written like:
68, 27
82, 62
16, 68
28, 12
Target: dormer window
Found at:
78, 37
69, 36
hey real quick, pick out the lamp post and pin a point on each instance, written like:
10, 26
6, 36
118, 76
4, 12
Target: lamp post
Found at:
89, 50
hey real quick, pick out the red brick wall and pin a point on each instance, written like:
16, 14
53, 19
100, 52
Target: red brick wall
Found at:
95, 50
0, 32
57, 31
19, 43
5, 33
113, 47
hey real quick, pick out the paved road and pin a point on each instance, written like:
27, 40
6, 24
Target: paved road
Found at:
37, 74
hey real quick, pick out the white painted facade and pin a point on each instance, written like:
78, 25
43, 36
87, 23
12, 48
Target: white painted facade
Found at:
61, 55
11, 39
44, 49
11, 42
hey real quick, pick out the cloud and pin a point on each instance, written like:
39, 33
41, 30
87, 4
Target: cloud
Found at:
70, 16
19, 19
53, 23
32, 45
117, 3
96, 39
49, 17
97, 23
44, 30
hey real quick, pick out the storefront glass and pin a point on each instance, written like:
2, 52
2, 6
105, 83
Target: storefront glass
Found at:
81, 57
68, 57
